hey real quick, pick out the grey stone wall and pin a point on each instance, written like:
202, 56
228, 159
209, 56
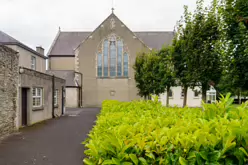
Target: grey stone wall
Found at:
8, 90
30, 79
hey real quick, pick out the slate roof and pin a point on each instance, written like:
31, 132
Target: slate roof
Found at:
66, 42
6, 39
68, 75
155, 40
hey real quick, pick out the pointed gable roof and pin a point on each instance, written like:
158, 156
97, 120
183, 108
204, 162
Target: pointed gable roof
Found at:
6, 39
66, 42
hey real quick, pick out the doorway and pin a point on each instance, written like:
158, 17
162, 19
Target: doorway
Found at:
24, 106
63, 100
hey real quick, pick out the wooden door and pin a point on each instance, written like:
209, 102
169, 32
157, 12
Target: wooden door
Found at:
24, 107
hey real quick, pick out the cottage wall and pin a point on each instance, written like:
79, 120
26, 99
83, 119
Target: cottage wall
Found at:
30, 79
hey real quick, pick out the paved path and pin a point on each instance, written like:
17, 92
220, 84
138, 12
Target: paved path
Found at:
54, 142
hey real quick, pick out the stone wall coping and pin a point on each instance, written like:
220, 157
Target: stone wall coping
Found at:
48, 75
7, 49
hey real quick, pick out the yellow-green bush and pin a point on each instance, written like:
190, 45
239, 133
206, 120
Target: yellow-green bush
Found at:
145, 132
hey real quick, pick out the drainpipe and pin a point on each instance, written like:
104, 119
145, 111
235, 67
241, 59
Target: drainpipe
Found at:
80, 101
53, 78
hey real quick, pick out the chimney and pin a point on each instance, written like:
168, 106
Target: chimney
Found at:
40, 50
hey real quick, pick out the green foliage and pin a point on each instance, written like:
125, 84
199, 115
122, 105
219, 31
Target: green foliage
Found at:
198, 55
182, 52
154, 71
235, 36
146, 66
145, 132
166, 74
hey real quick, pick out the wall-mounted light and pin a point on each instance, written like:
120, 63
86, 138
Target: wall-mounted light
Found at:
112, 93
21, 70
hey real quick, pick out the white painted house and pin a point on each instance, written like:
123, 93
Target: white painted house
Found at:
194, 98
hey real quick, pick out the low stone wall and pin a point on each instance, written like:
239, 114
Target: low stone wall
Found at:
8, 90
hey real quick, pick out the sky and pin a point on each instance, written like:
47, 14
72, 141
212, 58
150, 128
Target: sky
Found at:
36, 22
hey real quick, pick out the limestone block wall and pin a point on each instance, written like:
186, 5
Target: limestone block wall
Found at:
72, 97
8, 90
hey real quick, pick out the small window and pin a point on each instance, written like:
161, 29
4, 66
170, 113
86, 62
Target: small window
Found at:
170, 93
37, 97
33, 63
196, 93
182, 93
56, 96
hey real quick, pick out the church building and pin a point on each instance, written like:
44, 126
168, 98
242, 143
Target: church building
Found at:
98, 65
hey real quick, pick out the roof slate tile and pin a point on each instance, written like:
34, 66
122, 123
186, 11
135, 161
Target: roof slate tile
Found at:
68, 41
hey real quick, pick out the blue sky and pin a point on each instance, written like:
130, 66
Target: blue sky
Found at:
36, 22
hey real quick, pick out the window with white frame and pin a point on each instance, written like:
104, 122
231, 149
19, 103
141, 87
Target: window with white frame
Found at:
182, 93
33, 62
37, 97
56, 96
170, 94
196, 93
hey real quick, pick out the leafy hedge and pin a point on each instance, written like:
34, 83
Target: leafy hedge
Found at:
145, 132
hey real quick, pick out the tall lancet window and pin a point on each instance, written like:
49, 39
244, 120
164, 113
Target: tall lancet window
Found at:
105, 57
112, 58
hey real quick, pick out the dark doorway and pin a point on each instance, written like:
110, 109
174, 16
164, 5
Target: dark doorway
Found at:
24, 107
63, 100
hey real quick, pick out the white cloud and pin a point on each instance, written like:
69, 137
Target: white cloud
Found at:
36, 22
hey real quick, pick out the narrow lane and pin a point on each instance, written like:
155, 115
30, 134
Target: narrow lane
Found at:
53, 142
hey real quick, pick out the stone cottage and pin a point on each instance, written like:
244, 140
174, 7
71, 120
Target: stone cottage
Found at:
40, 96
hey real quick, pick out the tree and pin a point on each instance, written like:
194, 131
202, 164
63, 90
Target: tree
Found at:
166, 74
182, 52
146, 68
139, 72
234, 15
206, 58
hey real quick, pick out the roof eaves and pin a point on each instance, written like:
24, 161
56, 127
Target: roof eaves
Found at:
54, 41
61, 55
31, 50
24, 47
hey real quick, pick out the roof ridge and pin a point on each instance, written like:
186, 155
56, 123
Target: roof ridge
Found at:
152, 31
76, 31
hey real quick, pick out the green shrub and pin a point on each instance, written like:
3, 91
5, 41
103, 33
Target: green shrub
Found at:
145, 132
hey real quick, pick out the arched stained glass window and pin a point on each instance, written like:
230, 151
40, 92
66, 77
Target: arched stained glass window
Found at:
119, 57
105, 57
99, 67
112, 58
125, 64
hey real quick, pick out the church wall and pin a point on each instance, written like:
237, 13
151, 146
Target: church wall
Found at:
71, 97
95, 89
61, 63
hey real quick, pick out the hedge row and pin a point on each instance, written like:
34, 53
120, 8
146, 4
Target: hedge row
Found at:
145, 132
